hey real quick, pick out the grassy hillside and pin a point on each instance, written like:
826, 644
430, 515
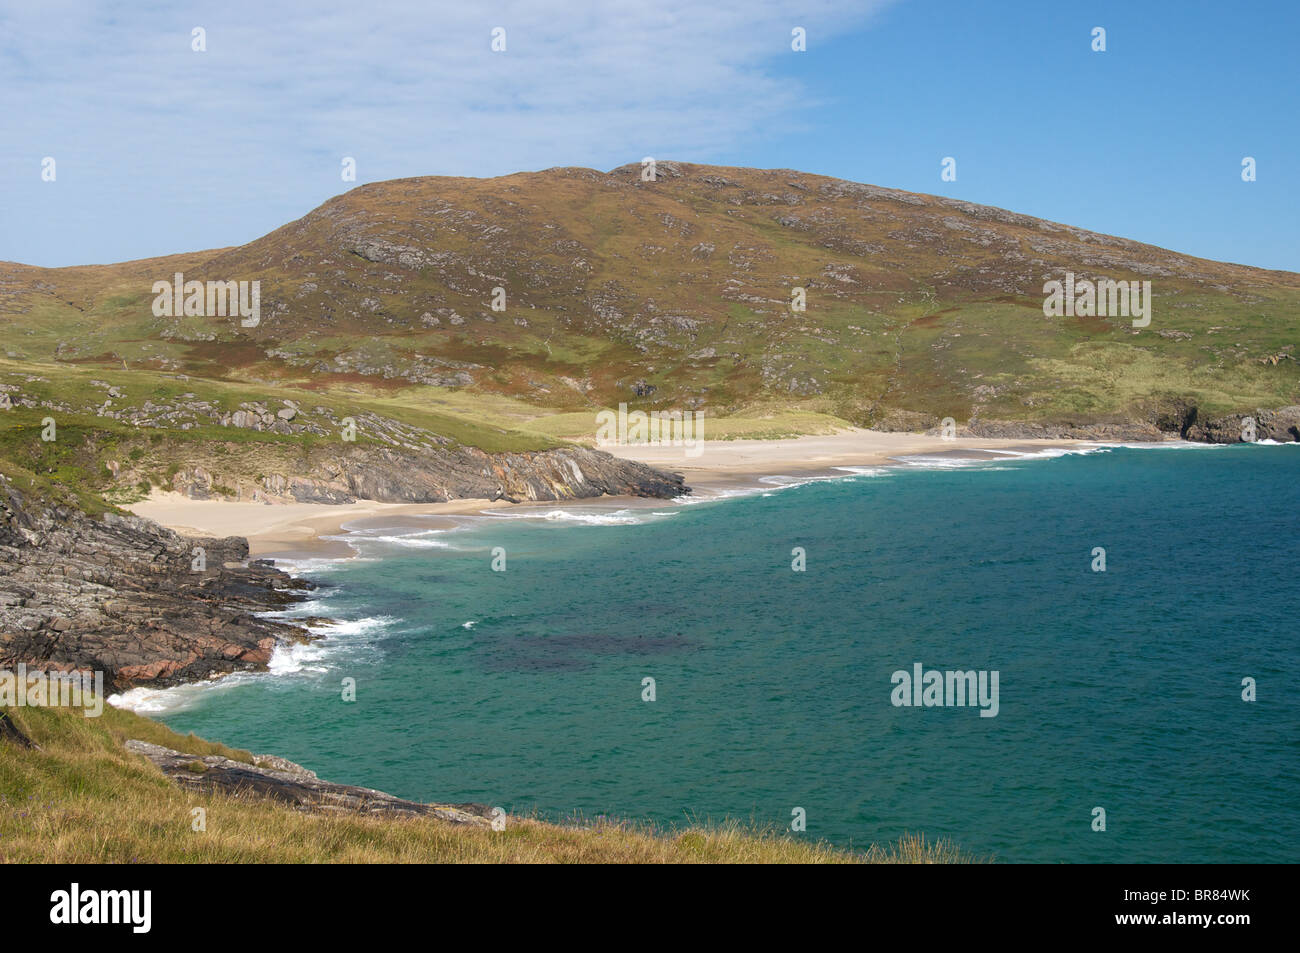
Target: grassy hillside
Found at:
82, 798
915, 303
147, 429
672, 294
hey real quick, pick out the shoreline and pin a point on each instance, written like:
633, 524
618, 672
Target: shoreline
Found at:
302, 530
727, 463
287, 530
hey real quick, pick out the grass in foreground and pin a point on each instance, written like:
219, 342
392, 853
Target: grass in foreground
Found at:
83, 798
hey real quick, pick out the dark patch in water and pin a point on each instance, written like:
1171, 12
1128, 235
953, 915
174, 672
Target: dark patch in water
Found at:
528, 652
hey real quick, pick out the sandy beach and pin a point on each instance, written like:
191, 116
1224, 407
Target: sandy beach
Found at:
297, 529
283, 528
723, 462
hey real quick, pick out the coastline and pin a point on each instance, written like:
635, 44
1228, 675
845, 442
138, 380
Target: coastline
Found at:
727, 463
284, 529
721, 472
721, 467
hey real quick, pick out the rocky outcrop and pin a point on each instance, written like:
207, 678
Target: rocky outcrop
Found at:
435, 475
1173, 422
13, 734
365, 456
1282, 425
280, 780
146, 606
124, 596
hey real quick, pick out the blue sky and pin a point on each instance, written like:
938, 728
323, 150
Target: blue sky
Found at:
160, 149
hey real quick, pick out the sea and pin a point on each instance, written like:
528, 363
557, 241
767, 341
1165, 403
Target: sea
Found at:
1126, 620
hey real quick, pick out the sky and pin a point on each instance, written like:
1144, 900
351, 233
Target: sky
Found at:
160, 148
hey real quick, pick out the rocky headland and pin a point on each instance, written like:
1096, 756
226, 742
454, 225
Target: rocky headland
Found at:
122, 595
150, 607
436, 475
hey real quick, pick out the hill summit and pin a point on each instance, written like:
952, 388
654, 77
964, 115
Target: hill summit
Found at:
707, 288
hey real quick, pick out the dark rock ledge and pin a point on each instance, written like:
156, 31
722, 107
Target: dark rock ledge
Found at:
11, 733
276, 779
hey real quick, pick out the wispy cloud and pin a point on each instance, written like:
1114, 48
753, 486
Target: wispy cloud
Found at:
160, 148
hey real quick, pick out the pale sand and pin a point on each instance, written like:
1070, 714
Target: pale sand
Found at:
295, 529
287, 528
724, 461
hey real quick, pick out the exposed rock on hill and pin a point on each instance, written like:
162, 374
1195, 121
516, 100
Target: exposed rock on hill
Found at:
677, 292
436, 475
11, 733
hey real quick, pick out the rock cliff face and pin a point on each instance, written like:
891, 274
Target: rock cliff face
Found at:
121, 595
389, 475
1282, 425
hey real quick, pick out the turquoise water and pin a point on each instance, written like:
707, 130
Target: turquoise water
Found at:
1119, 689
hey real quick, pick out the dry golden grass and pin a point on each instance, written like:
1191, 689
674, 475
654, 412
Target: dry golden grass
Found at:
82, 798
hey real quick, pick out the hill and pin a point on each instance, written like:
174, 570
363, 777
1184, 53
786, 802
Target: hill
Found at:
676, 293
671, 294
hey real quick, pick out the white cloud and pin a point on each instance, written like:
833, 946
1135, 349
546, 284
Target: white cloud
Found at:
252, 131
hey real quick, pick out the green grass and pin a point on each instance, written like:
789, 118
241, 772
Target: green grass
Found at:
776, 424
909, 309
608, 286
82, 798
73, 467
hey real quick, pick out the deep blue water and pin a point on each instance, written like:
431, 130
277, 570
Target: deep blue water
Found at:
1119, 689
